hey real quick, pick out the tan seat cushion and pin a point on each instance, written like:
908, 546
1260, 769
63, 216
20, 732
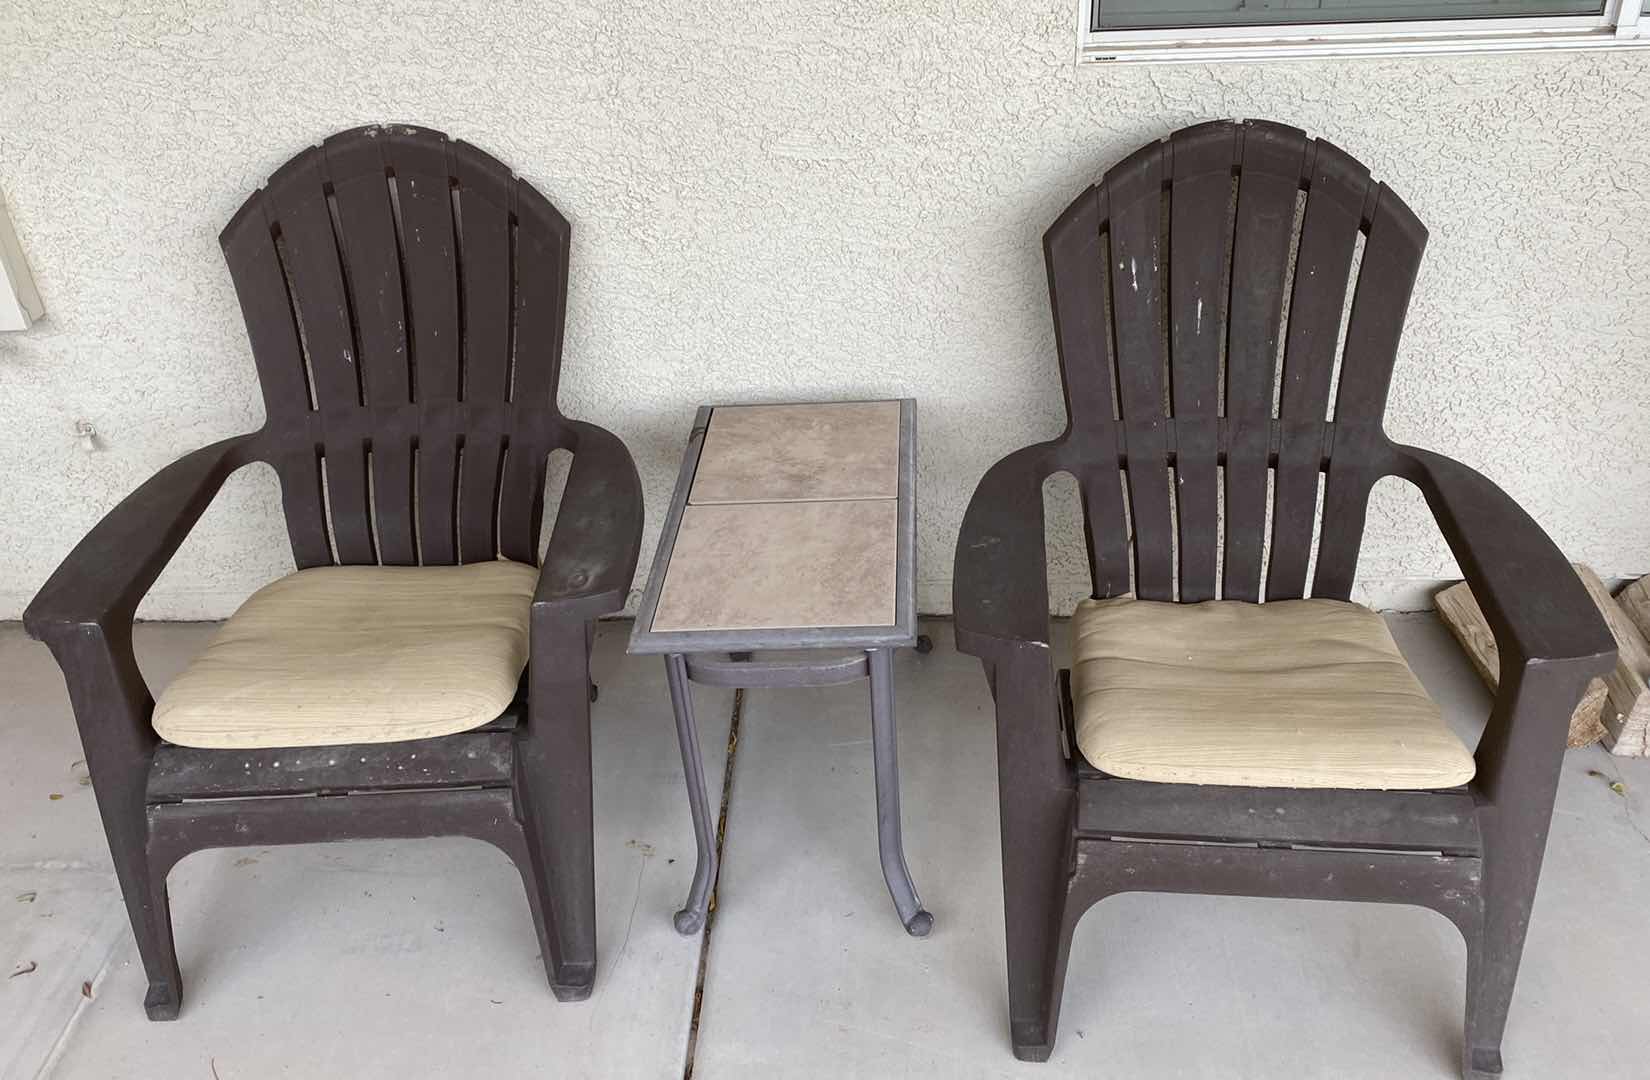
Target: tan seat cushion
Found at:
357, 654
1293, 693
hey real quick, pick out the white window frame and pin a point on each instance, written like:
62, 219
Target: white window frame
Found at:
1620, 25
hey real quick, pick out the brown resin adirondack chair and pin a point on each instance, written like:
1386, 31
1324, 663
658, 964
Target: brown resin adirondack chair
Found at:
405, 296
1292, 727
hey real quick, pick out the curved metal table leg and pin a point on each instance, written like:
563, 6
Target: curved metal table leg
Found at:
885, 754
693, 913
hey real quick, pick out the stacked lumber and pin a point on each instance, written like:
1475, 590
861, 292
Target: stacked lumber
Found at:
1460, 611
1632, 737
1615, 708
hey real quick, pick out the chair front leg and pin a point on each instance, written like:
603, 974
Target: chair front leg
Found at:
112, 708
1519, 761
1036, 794
553, 797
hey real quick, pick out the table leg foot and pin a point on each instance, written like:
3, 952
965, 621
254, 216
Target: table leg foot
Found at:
920, 925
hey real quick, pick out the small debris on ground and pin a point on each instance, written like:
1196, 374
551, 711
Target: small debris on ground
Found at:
24, 969
1615, 785
27, 897
245, 860
54, 796
81, 773
640, 845
86, 990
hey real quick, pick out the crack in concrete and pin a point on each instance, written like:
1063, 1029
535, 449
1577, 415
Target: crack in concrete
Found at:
635, 902
60, 1045
1627, 802
56, 865
710, 914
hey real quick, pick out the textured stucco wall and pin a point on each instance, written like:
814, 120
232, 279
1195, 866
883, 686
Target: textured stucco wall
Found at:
793, 200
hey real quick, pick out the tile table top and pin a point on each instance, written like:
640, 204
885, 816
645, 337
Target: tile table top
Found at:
753, 566
799, 453
792, 525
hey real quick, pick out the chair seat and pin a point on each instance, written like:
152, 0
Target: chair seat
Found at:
1289, 694
357, 654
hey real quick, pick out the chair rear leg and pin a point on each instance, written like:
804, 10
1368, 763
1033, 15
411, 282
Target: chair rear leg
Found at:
553, 796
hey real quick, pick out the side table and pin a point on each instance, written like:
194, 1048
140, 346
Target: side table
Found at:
792, 528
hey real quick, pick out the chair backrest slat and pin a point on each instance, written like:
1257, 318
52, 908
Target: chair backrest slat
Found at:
1077, 291
298, 467
261, 287
344, 465
542, 255
310, 256
399, 289
1200, 205
521, 503
421, 175
366, 230
480, 463
1135, 204
1216, 316
1393, 244
1323, 265
1267, 185
487, 256
541, 289
437, 484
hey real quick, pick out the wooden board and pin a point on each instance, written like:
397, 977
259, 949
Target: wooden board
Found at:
1627, 716
1635, 601
1461, 613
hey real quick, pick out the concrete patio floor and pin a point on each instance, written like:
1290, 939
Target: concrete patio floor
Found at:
396, 959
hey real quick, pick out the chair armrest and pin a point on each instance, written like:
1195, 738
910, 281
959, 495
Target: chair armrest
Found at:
108, 572
1000, 578
598, 535
1537, 608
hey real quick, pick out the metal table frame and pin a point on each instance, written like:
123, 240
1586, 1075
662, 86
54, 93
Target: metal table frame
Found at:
724, 658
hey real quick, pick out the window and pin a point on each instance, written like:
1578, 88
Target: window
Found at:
1201, 30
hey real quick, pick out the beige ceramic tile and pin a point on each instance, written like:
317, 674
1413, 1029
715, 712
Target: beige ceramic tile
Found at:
761, 566
799, 453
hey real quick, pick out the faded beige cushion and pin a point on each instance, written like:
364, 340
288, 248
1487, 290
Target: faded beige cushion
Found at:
1293, 694
357, 654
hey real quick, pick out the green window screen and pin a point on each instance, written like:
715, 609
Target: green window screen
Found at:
1171, 14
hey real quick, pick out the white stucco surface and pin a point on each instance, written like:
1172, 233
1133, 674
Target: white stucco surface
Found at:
791, 201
